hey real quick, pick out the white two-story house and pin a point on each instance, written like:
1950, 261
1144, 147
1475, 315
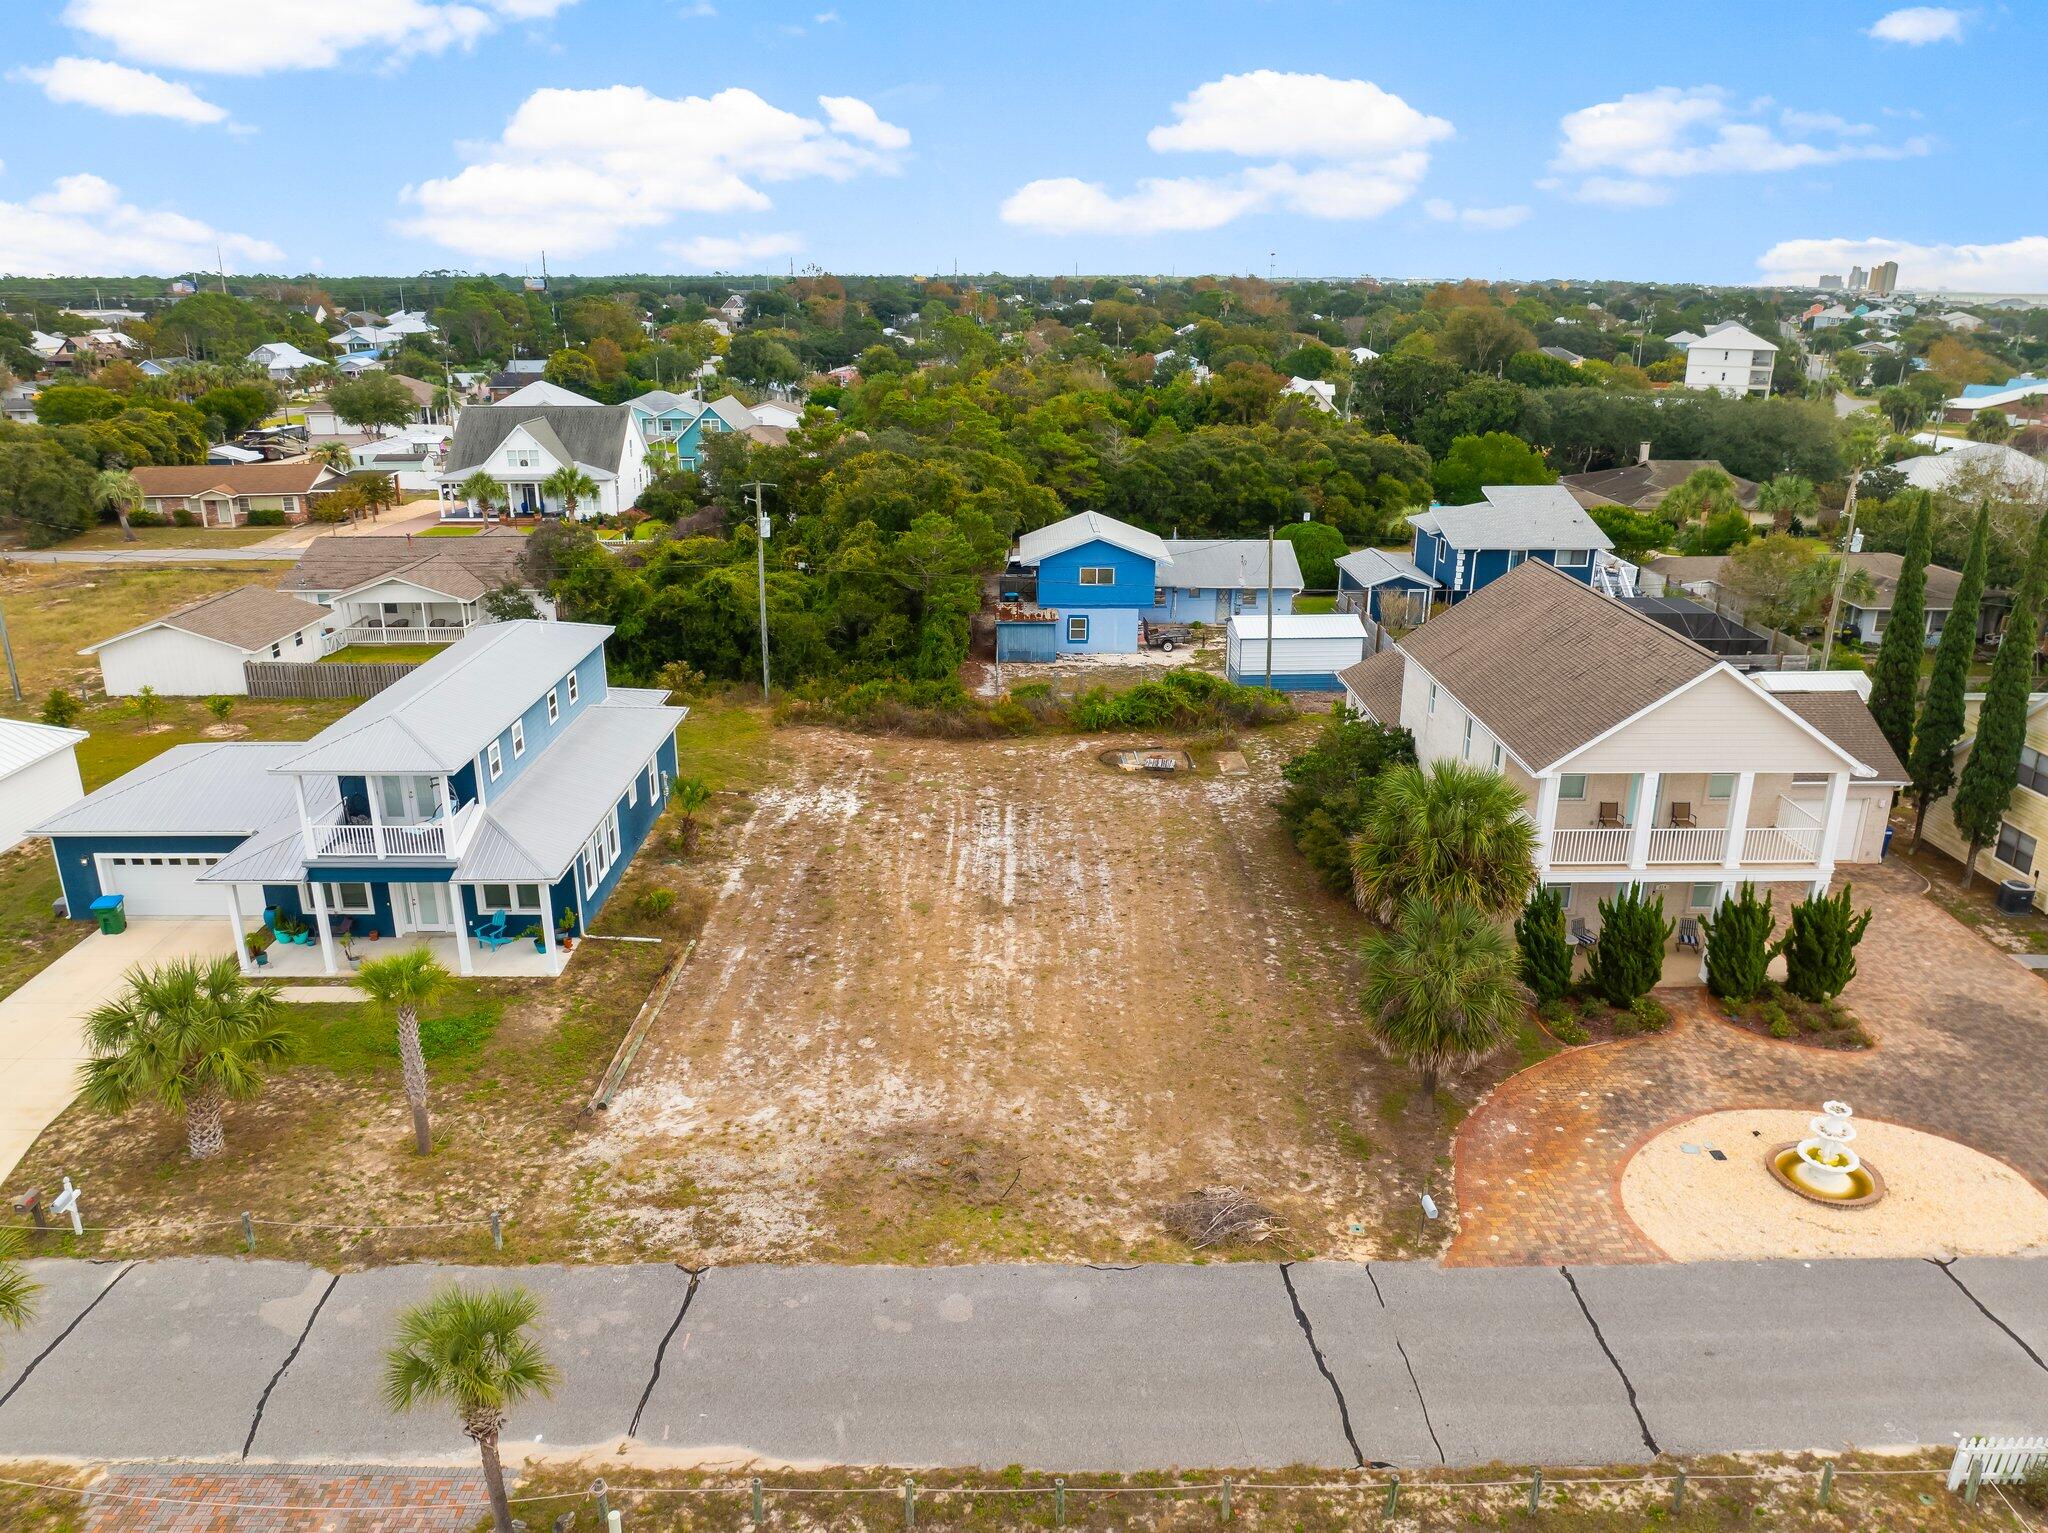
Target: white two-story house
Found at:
519, 446
1643, 758
1732, 360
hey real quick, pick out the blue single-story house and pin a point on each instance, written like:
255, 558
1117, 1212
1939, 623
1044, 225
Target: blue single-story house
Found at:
488, 801
1095, 582
1385, 586
1465, 548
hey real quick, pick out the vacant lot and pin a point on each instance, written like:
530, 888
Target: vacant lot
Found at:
962, 1001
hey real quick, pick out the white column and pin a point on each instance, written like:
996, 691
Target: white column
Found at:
241, 938
305, 815
1738, 823
376, 814
547, 929
1547, 789
464, 964
327, 963
1646, 816
1831, 827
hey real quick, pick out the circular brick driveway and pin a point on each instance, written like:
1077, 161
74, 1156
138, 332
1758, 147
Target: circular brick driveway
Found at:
1962, 1036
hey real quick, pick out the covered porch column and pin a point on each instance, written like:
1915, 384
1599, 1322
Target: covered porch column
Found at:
1645, 818
1547, 790
1737, 833
327, 963
547, 928
465, 963
1837, 805
242, 956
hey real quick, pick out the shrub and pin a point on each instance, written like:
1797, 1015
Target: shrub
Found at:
1739, 944
220, 707
653, 904
59, 708
181, 517
1820, 946
267, 516
148, 519
1781, 1026
1649, 1014
1329, 790
1545, 947
328, 516
1628, 957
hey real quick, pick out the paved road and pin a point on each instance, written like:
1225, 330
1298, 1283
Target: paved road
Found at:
1058, 1368
255, 553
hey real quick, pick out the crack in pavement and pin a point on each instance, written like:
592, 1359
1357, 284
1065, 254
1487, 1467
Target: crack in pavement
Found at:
1982, 1309
1322, 1366
1627, 1383
1413, 1382
660, 1352
36, 1361
264, 1399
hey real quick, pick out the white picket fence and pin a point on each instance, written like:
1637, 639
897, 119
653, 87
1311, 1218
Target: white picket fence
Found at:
2005, 1459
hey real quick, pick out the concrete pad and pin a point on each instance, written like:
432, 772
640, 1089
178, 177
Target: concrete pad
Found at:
2015, 1289
1056, 1368
168, 1365
601, 1327
1726, 1356
1485, 1342
63, 1291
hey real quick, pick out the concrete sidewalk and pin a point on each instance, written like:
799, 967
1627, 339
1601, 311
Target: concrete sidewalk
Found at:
1056, 1368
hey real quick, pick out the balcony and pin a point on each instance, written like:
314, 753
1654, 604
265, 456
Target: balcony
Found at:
1795, 840
361, 840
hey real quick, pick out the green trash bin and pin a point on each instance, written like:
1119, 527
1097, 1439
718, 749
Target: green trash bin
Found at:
107, 909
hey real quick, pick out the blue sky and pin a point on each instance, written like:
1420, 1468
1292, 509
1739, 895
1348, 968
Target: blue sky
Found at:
1727, 143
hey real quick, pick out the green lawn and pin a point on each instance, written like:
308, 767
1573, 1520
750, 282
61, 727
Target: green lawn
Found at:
451, 531
109, 536
359, 654
31, 938
1315, 604
723, 743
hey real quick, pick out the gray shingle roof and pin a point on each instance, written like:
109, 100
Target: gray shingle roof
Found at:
248, 618
593, 435
342, 563
1516, 516
1239, 564
439, 716
1643, 486
1376, 682
1847, 720
222, 788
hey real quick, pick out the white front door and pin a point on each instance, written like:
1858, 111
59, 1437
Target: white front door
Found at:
426, 907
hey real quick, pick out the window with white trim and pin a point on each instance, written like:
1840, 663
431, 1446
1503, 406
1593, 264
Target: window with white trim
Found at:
351, 899
1721, 785
654, 780
2034, 769
1496, 757
518, 738
1574, 558
1571, 785
1702, 897
1432, 697
1466, 750
517, 898
574, 686
554, 706
494, 759
600, 852
1098, 575
1077, 630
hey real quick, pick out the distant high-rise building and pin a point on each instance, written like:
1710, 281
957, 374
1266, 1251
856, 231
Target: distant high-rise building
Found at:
1884, 278
1831, 282
1858, 279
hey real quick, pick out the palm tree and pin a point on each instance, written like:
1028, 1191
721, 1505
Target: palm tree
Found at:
334, 455
471, 1349
1440, 989
114, 489
405, 982
691, 794
191, 1036
569, 484
1451, 832
482, 491
17, 1290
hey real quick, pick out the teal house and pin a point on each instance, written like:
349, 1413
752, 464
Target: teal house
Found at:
679, 423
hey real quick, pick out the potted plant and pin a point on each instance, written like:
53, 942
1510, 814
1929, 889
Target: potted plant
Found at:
540, 940
565, 931
259, 945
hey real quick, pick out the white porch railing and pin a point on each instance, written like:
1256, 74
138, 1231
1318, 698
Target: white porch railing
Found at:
1687, 843
1782, 843
1590, 848
377, 633
428, 840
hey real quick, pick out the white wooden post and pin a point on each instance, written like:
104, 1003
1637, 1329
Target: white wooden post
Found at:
1738, 821
1547, 789
1831, 827
371, 792
305, 815
242, 957
547, 928
327, 963
1646, 816
464, 964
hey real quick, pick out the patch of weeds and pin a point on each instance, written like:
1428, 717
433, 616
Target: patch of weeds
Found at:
1351, 1140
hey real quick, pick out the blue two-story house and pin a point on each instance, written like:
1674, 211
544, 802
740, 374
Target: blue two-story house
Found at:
488, 804
678, 423
1464, 548
1094, 582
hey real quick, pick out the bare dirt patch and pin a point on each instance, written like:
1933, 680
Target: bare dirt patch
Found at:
967, 1001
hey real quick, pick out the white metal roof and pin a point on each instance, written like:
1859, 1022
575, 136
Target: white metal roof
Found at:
23, 744
1231, 564
1299, 625
542, 392
1516, 516
222, 788
1090, 527
439, 716
1735, 337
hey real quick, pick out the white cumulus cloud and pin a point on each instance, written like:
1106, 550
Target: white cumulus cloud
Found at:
575, 170
82, 225
120, 90
1334, 149
1623, 148
243, 37
2019, 265
1917, 25
732, 252
1445, 211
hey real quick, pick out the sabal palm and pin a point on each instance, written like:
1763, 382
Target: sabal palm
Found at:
1440, 987
405, 982
481, 491
1451, 832
17, 1290
115, 490
334, 455
570, 485
190, 1036
471, 1349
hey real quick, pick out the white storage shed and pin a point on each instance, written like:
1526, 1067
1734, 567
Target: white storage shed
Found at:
1307, 649
199, 650
38, 776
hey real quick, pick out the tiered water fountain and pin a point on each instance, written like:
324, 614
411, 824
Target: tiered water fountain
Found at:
1823, 1167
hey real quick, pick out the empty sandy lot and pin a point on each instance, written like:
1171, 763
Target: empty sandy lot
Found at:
969, 1000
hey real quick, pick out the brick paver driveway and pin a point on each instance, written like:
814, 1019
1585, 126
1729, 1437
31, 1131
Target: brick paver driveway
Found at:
1962, 1036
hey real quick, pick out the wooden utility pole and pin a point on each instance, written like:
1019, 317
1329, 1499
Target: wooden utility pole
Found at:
1269, 607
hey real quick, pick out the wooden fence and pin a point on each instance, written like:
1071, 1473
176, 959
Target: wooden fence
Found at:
336, 678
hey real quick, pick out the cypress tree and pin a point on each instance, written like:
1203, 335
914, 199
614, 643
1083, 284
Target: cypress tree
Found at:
1895, 679
1545, 947
1933, 762
1739, 944
1820, 946
1628, 955
1993, 770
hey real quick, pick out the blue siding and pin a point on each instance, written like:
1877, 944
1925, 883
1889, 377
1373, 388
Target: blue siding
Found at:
1059, 580
1483, 566
81, 879
590, 688
1111, 631
1027, 642
1283, 681
1209, 605
636, 819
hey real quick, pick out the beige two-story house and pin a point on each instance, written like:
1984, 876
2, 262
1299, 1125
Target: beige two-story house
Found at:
2023, 829
1643, 758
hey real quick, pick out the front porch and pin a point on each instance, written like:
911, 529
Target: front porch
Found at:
514, 960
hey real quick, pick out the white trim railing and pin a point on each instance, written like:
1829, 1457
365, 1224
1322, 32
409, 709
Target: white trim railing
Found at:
1782, 843
378, 633
1600, 847
1687, 844
427, 839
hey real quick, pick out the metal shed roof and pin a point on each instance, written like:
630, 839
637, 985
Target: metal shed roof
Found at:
23, 744
1231, 564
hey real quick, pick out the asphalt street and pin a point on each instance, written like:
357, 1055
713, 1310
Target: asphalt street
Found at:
1056, 1368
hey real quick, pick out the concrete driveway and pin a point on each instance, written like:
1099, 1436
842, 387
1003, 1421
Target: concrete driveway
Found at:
42, 1024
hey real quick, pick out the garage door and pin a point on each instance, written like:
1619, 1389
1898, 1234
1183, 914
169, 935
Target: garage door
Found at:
161, 885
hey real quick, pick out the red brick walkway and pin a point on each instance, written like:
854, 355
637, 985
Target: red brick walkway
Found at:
1962, 1036
159, 1498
